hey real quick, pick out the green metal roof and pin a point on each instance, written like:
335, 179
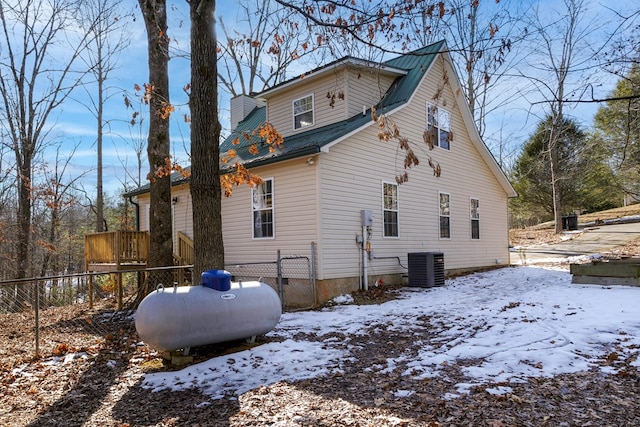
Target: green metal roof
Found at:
416, 64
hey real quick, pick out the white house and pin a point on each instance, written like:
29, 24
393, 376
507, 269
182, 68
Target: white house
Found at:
333, 167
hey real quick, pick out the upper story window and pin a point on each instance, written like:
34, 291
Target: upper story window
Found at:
475, 218
445, 216
390, 209
439, 125
303, 112
262, 209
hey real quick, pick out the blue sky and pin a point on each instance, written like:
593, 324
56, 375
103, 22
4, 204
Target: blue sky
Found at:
76, 126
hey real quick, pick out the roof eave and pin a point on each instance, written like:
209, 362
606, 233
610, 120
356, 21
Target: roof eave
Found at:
342, 63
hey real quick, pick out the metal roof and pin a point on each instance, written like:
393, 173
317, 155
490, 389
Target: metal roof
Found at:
415, 64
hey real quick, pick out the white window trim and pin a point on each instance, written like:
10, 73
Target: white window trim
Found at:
273, 210
397, 210
313, 112
439, 112
471, 218
440, 216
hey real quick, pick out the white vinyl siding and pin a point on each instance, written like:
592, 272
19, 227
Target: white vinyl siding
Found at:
279, 107
295, 218
366, 88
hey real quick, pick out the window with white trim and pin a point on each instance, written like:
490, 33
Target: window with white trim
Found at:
303, 112
439, 125
445, 215
390, 209
262, 209
475, 218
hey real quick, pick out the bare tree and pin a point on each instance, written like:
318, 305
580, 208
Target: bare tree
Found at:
102, 20
137, 141
57, 195
562, 55
258, 58
481, 35
158, 145
8, 210
39, 49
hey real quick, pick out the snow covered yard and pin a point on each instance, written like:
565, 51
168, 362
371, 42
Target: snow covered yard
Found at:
505, 326
517, 346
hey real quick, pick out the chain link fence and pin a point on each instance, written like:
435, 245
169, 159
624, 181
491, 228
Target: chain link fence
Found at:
54, 315
292, 277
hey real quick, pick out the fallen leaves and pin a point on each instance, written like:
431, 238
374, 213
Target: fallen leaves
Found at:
101, 388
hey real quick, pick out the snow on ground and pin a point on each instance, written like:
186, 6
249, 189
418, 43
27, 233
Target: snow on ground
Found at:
518, 322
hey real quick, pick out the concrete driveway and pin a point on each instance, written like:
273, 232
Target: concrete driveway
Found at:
589, 241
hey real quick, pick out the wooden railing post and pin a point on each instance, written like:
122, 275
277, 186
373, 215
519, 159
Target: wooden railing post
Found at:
91, 291
120, 290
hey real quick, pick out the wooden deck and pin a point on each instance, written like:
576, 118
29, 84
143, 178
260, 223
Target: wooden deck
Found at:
116, 250
128, 250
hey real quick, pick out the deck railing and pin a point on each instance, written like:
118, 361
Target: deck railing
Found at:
116, 247
185, 249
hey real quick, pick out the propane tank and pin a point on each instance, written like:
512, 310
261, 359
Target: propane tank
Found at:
218, 310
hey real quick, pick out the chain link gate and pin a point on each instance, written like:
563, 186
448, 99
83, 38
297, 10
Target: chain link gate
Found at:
293, 277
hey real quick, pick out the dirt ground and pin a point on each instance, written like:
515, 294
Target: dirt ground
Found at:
80, 382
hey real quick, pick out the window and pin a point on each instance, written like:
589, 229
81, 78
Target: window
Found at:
445, 216
439, 125
390, 209
303, 112
475, 218
262, 207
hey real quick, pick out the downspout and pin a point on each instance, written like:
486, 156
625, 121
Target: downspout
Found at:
130, 199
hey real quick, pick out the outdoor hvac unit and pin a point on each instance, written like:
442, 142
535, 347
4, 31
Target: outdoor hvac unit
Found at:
426, 269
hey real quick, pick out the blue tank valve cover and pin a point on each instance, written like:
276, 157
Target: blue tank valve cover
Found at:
220, 280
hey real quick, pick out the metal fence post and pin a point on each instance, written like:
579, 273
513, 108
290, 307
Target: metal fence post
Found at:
37, 316
279, 273
312, 276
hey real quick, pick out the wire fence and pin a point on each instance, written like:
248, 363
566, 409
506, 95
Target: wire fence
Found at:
293, 277
76, 311
52, 315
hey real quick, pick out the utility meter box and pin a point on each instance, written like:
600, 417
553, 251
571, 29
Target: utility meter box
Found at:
367, 217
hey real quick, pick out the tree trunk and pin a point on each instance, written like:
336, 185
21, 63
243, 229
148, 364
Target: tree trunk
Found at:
158, 148
554, 137
99, 191
24, 226
205, 133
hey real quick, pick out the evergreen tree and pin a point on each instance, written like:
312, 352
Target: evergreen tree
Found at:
586, 182
617, 127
